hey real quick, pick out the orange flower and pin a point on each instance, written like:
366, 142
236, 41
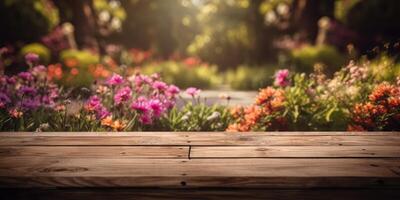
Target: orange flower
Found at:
107, 121
71, 62
355, 128
14, 113
54, 71
271, 98
119, 125
237, 111
59, 107
74, 72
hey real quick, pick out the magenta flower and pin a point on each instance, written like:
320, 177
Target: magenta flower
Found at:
157, 107
160, 86
102, 113
31, 58
145, 119
282, 78
27, 76
192, 91
173, 90
115, 80
93, 103
123, 95
140, 105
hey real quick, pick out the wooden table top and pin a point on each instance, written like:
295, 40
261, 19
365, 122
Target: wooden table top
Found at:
362, 164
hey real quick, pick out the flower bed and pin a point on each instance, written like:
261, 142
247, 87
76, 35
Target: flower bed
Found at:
351, 100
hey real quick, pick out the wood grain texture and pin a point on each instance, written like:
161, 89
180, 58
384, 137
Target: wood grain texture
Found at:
272, 173
295, 152
195, 139
154, 165
97, 151
206, 194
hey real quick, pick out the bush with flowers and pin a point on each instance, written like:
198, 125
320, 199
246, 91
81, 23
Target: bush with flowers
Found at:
31, 101
315, 102
197, 116
185, 73
380, 112
353, 99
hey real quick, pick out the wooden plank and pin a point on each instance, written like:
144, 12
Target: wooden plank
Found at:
97, 151
245, 173
206, 194
180, 139
184, 134
295, 152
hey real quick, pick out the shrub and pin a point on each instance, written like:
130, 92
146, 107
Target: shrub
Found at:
27, 99
76, 68
39, 49
381, 112
250, 78
306, 57
184, 74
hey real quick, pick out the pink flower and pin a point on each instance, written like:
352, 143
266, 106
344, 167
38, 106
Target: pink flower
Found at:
145, 119
27, 76
115, 80
159, 85
31, 58
102, 113
140, 105
281, 78
192, 91
156, 106
173, 90
123, 95
93, 103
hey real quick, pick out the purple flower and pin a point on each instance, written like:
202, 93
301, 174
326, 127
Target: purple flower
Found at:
159, 85
192, 91
27, 76
26, 90
123, 94
281, 78
4, 100
30, 104
31, 58
173, 90
115, 80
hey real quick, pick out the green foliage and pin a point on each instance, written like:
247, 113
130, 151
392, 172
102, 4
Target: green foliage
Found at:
342, 8
197, 117
306, 57
83, 60
26, 21
384, 68
39, 49
183, 75
250, 77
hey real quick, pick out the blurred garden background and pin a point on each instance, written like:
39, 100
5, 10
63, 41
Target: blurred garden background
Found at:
238, 44
327, 55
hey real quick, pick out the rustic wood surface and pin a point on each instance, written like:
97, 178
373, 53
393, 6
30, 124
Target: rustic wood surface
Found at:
152, 165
